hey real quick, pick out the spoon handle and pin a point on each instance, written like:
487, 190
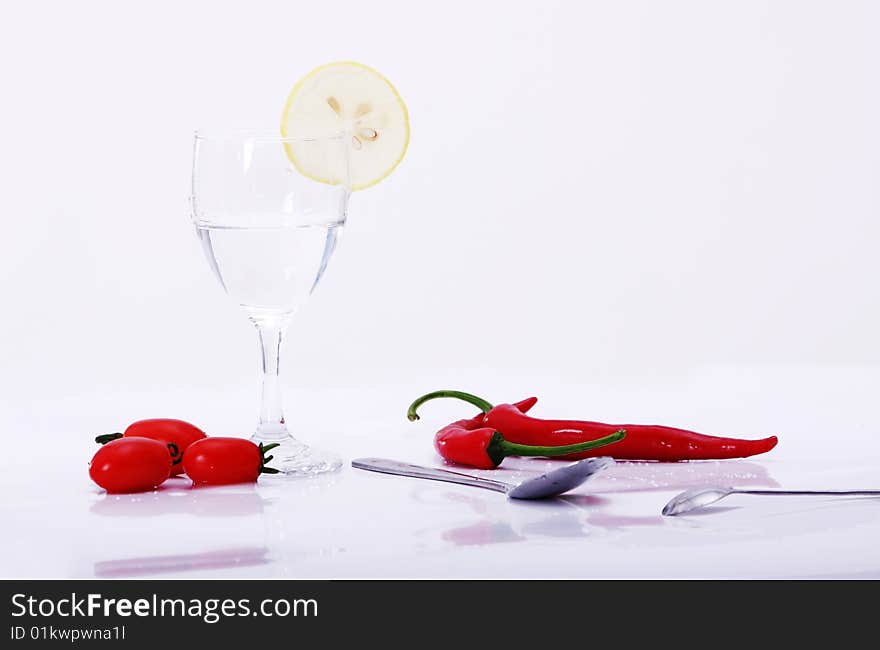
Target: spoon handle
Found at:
820, 492
388, 466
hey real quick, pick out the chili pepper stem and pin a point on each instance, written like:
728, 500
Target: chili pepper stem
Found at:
500, 448
479, 402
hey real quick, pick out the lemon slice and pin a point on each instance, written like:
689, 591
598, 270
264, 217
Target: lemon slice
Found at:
354, 99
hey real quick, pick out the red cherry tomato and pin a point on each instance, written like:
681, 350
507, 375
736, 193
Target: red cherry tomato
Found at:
222, 461
176, 434
131, 465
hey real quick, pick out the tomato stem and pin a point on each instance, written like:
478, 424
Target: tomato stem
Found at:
265, 459
107, 437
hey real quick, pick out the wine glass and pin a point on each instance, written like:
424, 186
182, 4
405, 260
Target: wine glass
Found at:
268, 232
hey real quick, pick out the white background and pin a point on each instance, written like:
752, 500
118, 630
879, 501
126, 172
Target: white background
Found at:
590, 186
595, 192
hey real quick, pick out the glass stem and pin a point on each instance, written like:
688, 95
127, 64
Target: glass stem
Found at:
272, 425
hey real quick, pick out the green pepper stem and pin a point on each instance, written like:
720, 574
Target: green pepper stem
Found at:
479, 402
515, 449
107, 437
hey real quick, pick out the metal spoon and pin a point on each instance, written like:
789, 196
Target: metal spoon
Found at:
546, 485
697, 498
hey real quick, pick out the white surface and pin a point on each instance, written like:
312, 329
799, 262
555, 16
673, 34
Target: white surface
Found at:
358, 524
639, 211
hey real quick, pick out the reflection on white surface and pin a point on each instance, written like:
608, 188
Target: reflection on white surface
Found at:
630, 476
177, 496
247, 520
577, 515
482, 533
146, 566
297, 528
359, 524
563, 517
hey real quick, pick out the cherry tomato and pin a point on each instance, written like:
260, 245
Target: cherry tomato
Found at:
222, 461
176, 434
131, 465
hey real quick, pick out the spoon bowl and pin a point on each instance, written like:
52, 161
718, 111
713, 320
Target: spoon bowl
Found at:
549, 484
697, 498
694, 499
558, 481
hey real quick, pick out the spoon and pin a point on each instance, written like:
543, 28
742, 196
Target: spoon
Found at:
551, 484
697, 498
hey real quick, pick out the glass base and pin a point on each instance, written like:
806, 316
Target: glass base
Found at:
294, 458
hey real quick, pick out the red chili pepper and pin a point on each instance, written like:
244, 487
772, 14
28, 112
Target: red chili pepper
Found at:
643, 442
485, 448
469, 442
